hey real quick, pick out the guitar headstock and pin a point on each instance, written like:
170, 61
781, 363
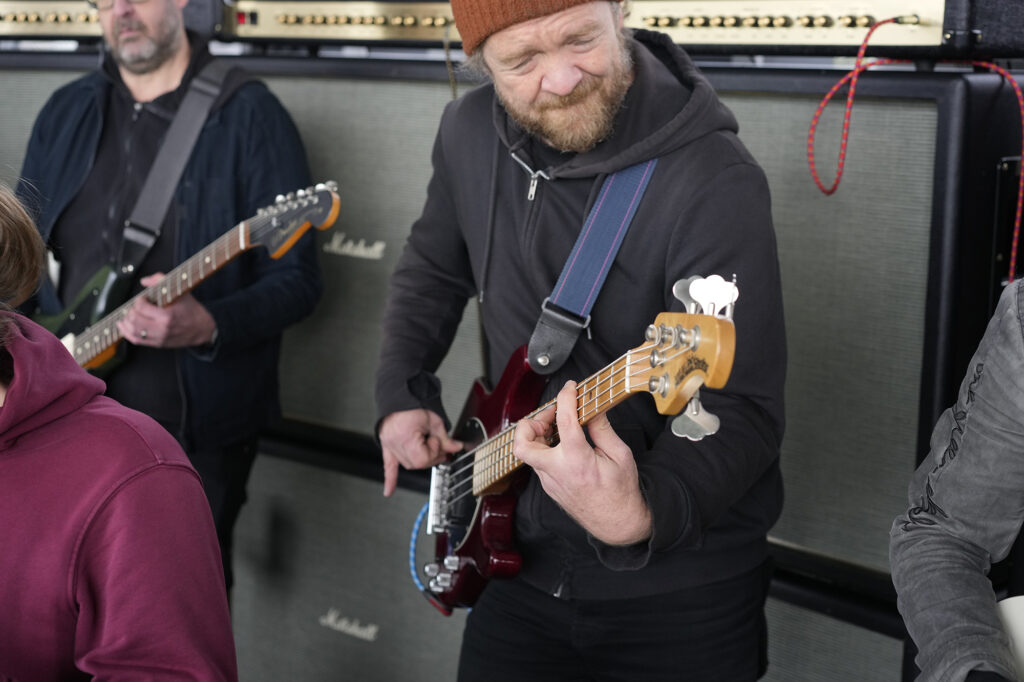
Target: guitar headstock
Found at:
280, 225
685, 351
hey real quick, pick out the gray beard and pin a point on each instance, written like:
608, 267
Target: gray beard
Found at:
156, 53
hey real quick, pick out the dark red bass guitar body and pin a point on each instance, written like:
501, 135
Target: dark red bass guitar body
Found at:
477, 539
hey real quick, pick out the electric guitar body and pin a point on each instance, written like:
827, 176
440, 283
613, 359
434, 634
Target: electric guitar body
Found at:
481, 532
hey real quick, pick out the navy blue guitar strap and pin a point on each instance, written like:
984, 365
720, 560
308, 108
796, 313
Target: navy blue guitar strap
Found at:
566, 312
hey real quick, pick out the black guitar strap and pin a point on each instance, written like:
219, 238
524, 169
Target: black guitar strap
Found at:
143, 225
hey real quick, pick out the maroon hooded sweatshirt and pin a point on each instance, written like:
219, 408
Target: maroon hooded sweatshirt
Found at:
109, 566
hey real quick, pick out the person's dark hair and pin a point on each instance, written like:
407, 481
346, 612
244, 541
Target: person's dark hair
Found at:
22, 260
22, 252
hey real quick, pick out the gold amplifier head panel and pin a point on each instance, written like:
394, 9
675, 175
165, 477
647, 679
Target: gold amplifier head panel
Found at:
48, 19
711, 23
349, 21
792, 22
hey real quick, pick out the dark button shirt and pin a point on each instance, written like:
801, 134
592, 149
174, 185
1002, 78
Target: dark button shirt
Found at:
88, 237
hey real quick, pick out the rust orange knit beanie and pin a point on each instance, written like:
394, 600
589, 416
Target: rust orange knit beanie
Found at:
478, 19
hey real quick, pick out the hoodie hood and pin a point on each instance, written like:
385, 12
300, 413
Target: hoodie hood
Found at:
48, 384
663, 73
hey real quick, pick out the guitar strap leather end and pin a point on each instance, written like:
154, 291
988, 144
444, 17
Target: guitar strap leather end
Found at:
137, 242
554, 337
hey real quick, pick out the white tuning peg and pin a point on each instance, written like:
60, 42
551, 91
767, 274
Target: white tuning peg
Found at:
713, 294
681, 290
695, 422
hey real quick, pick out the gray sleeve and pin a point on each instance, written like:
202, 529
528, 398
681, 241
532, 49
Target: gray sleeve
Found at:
966, 509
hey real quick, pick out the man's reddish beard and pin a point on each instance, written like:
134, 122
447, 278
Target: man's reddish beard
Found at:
578, 121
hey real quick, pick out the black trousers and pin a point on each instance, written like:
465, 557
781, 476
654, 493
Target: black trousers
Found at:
713, 633
225, 472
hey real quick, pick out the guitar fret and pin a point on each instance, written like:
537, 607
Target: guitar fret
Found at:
275, 226
494, 459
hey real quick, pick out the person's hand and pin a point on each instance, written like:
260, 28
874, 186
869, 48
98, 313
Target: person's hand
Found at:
414, 439
182, 324
598, 486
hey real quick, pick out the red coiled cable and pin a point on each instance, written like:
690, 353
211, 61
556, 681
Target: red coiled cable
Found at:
851, 78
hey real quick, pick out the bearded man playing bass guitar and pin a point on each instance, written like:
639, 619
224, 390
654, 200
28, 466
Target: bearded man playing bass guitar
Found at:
643, 555
205, 367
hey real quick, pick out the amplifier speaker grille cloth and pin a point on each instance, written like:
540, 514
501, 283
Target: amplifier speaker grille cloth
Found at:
854, 275
321, 568
322, 587
375, 139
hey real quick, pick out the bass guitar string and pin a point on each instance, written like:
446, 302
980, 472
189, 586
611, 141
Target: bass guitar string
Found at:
504, 448
490, 442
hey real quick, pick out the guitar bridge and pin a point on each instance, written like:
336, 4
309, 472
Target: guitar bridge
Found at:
437, 518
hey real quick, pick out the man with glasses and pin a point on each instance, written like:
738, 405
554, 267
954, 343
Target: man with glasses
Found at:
205, 367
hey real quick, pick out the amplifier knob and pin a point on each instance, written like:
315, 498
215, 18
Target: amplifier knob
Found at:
765, 22
781, 22
441, 21
81, 17
865, 21
51, 18
21, 17
64, 17
34, 18
822, 21
380, 21
749, 22
716, 22
665, 22
684, 21
805, 21
730, 22
700, 22
409, 21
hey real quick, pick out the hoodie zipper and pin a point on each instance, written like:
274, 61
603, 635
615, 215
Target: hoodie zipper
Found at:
534, 176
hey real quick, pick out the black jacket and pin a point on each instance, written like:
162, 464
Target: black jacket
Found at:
248, 152
706, 211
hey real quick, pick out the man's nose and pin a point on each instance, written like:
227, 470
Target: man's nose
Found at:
561, 78
122, 7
